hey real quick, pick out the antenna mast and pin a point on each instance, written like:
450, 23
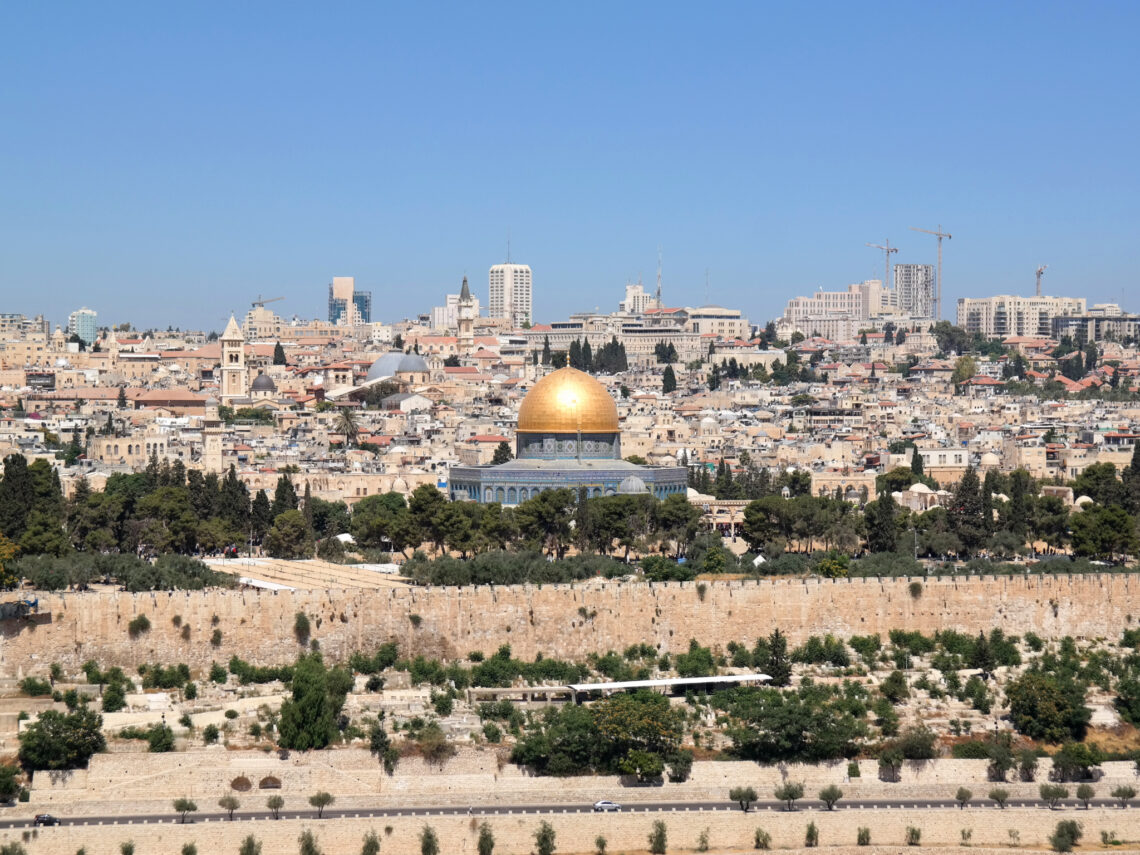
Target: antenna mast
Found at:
1040, 273
659, 306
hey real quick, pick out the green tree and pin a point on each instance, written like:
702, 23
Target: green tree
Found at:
503, 453
1085, 794
1048, 707
486, 842
669, 380
743, 796
788, 793
275, 803
284, 497
963, 797
61, 740
829, 795
320, 801
429, 842
1065, 836
658, 838
882, 528
1053, 794
184, 806
250, 846
308, 843
967, 513
290, 537
9, 782
964, 369
347, 426
1124, 794
279, 354
17, 497
544, 837
229, 803
308, 718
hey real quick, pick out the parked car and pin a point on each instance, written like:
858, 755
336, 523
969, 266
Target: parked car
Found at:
45, 819
606, 806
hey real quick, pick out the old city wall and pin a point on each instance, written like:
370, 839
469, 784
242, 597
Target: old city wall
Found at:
568, 621
625, 832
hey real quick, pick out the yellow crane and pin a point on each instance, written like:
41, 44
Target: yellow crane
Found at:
887, 250
1040, 273
938, 291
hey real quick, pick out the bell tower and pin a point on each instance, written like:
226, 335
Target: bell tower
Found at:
212, 438
466, 320
234, 382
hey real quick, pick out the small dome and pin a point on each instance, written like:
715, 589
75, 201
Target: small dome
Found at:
263, 383
919, 487
631, 485
990, 459
211, 401
396, 362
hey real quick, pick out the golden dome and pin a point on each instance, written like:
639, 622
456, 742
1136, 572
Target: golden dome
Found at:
566, 401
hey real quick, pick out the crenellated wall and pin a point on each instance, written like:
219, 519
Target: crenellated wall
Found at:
568, 621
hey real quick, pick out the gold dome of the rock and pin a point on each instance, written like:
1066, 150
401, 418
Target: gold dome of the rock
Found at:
567, 401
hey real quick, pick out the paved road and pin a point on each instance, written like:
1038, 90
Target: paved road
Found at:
635, 807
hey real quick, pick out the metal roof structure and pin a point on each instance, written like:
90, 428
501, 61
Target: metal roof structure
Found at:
671, 683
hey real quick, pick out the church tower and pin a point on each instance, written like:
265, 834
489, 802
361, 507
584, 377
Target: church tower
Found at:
212, 438
235, 379
466, 320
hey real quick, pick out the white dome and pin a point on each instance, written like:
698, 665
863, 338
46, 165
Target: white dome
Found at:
631, 485
396, 362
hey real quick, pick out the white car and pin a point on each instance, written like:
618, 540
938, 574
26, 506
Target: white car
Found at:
606, 805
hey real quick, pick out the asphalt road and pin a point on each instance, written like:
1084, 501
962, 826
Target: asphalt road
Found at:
804, 805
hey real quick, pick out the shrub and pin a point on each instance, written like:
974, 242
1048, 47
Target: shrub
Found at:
189, 849
308, 843
301, 627
485, 845
35, 687
250, 846
210, 734
811, 836
913, 836
761, 839
657, 838
216, 638
544, 838
429, 842
231, 714
138, 626
1065, 835
191, 691
127, 848
863, 836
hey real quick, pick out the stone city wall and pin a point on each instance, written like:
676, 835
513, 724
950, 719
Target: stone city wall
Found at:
728, 831
116, 784
568, 621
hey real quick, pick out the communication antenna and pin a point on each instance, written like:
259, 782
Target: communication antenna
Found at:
707, 286
1040, 273
659, 277
508, 246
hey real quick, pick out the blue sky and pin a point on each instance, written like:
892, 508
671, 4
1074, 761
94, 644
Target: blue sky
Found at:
166, 163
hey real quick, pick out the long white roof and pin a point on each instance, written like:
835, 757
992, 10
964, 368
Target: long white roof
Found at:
672, 682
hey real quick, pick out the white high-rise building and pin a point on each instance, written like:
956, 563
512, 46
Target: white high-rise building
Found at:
510, 293
914, 285
83, 323
636, 301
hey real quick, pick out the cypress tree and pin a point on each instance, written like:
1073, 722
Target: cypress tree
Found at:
669, 381
17, 495
546, 350
278, 354
284, 497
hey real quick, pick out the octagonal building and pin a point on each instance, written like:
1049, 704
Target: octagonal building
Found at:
567, 436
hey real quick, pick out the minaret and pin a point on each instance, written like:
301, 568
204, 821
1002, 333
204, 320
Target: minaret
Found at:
234, 380
466, 320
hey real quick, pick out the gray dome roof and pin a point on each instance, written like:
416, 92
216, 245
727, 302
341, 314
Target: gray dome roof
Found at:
396, 362
631, 485
263, 383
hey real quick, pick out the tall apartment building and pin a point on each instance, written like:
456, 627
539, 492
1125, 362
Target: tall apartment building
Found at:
446, 317
347, 306
914, 289
637, 301
510, 293
1006, 315
82, 323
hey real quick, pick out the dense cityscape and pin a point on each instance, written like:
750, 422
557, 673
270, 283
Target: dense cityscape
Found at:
509, 430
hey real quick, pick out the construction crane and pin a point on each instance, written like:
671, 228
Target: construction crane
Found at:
887, 250
938, 292
261, 301
1040, 273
